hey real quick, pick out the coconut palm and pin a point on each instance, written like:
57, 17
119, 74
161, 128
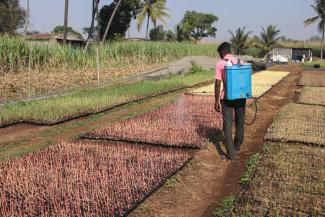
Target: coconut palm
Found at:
154, 10
319, 7
239, 40
111, 20
268, 39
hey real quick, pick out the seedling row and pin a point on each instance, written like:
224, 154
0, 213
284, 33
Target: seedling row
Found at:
299, 123
85, 179
189, 122
312, 79
289, 182
312, 96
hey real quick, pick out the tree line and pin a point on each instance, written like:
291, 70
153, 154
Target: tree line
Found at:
194, 26
241, 41
114, 20
118, 15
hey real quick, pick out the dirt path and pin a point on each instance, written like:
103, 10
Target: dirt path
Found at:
11, 133
195, 191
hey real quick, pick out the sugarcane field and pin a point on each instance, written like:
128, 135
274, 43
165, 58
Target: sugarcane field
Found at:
159, 108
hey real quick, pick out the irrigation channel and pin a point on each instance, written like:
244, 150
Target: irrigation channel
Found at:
195, 190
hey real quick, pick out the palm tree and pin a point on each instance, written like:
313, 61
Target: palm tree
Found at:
154, 10
66, 14
319, 8
268, 39
111, 20
239, 40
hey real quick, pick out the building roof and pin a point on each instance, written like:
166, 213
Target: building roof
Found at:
293, 48
58, 36
70, 37
42, 36
298, 48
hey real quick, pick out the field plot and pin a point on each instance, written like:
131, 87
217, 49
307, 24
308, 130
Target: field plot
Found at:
288, 182
261, 83
312, 79
62, 108
85, 179
299, 123
265, 81
268, 78
189, 122
312, 96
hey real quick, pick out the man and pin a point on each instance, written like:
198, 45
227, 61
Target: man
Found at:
228, 106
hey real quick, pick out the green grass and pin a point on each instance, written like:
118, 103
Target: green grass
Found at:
81, 102
250, 168
224, 207
16, 54
311, 64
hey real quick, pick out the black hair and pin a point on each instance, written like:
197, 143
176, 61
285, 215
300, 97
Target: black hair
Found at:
224, 48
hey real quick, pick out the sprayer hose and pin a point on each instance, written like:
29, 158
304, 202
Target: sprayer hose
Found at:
255, 113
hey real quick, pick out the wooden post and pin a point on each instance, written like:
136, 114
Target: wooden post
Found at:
97, 62
29, 72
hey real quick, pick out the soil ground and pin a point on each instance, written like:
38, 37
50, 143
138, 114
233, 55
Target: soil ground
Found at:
194, 191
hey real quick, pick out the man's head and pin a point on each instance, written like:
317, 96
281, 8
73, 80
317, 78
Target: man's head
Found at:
224, 49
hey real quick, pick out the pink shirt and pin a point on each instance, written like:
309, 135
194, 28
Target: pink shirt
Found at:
220, 71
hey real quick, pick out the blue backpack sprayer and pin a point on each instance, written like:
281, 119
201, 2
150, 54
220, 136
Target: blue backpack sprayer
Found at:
238, 85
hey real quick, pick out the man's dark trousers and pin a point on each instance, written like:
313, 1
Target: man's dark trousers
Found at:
228, 106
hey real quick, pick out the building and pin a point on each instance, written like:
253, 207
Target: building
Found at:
283, 52
293, 54
49, 38
302, 53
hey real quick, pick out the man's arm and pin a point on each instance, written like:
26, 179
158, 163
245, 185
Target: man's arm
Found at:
217, 87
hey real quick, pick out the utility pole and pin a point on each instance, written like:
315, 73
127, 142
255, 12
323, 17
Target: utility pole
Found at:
27, 19
66, 14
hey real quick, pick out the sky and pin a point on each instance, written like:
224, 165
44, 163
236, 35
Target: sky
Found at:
287, 15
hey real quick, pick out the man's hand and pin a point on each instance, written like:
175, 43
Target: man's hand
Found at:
217, 106
250, 101
217, 87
